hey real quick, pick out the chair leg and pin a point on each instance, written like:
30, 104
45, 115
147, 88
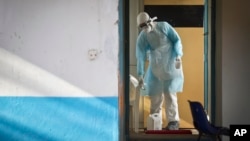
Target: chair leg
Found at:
199, 137
219, 138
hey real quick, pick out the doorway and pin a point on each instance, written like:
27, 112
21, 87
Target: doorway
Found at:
194, 48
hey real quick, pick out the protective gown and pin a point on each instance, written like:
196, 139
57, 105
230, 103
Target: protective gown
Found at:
163, 45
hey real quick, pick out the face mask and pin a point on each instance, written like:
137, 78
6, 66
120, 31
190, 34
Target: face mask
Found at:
147, 28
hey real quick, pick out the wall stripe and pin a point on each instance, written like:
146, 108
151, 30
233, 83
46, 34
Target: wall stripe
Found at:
58, 119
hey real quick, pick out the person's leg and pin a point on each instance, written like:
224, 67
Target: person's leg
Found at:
172, 111
156, 103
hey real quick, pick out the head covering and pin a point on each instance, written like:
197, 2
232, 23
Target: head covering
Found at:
143, 19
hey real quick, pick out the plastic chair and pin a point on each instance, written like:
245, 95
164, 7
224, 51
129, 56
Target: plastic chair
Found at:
202, 124
134, 101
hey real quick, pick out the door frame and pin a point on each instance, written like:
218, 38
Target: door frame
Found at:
209, 66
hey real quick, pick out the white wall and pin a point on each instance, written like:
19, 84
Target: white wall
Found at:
55, 36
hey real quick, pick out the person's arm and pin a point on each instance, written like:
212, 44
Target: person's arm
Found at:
141, 54
175, 38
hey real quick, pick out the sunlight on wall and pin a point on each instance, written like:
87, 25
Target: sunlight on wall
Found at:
21, 78
56, 36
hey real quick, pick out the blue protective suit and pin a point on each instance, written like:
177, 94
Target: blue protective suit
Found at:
164, 46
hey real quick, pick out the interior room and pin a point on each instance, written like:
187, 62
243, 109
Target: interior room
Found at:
192, 35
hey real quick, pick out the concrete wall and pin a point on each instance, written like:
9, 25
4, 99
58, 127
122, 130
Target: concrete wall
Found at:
59, 70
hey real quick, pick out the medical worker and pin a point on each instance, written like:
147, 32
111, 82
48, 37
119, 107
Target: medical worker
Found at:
163, 78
